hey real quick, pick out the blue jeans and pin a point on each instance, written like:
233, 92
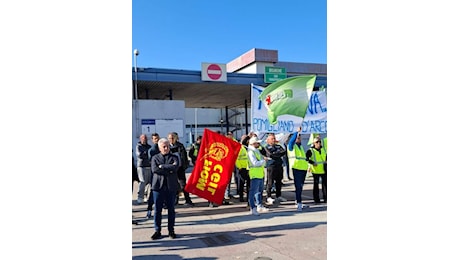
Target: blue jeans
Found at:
159, 197
255, 192
299, 179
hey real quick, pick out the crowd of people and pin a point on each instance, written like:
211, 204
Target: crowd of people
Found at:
160, 172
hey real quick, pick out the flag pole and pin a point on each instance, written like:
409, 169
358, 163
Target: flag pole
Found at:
299, 125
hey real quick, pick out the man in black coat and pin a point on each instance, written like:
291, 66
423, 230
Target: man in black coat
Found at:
179, 149
152, 151
144, 172
274, 168
164, 185
135, 178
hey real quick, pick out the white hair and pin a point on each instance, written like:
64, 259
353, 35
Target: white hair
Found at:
162, 141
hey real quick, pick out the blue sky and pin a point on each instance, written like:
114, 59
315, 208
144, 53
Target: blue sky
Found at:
182, 34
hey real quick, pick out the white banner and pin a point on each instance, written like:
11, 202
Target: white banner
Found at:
315, 121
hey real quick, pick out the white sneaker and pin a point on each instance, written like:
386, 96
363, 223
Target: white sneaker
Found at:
295, 204
281, 199
262, 209
299, 206
270, 200
254, 212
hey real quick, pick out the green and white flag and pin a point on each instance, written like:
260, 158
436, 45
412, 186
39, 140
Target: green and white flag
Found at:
289, 96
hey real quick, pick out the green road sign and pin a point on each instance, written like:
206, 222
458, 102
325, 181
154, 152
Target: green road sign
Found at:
273, 74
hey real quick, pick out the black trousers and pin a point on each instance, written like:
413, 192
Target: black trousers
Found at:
316, 178
182, 181
274, 176
150, 201
242, 176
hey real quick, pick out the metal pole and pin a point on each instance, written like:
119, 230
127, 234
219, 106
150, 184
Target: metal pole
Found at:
246, 115
221, 125
226, 120
221, 122
196, 124
136, 52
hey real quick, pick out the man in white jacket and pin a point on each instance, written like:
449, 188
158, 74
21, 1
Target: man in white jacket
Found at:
256, 174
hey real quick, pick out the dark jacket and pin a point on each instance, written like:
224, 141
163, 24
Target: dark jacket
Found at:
142, 154
153, 150
164, 172
179, 148
276, 153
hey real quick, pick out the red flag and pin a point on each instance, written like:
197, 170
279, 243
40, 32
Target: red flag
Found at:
214, 166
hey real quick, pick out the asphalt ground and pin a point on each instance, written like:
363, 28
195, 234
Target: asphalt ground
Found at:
230, 232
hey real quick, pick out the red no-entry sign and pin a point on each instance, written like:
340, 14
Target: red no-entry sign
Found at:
213, 72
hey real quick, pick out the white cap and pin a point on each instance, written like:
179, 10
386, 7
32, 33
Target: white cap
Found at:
253, 140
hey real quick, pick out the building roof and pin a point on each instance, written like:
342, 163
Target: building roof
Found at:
165, 84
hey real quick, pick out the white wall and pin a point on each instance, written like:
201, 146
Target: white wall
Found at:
162, 111
201, 116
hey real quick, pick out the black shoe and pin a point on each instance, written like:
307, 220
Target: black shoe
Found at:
226, 202
156, 235
241, 199
190, 204
135, 222
172, 235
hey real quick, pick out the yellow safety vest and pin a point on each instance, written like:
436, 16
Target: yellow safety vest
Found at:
319, 159
325, 143
256, 172
242, 160
297, 158
195, 150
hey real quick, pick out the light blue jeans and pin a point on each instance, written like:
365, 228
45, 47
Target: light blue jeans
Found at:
255, 192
